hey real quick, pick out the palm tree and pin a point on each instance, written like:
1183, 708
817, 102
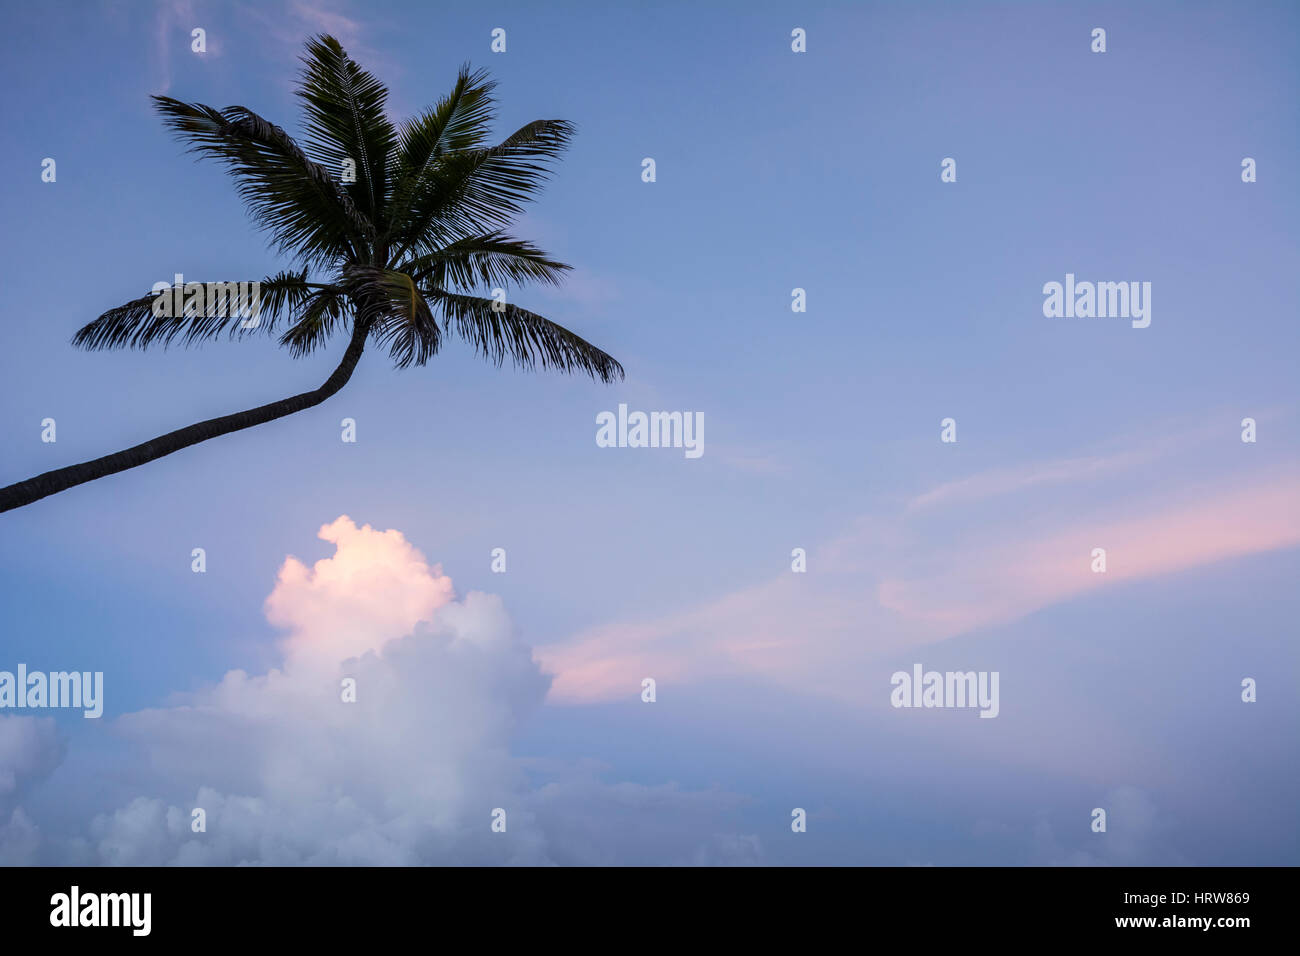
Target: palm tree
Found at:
398, 254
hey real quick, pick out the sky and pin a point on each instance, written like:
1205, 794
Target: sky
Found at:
775, 170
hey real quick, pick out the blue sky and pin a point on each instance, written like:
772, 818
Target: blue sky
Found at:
775, 170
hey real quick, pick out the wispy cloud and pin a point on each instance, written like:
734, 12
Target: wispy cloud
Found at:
286, 26
172, 23
322, 19
1002, 580
888, 584
1078, 469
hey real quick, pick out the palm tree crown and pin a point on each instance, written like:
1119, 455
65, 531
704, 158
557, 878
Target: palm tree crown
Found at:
404, 247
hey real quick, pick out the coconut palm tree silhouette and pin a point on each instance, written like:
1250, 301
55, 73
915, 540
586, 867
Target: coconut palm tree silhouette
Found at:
400, 228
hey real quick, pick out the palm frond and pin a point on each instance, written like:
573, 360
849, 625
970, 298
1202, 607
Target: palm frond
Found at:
144, 321
318, 316
490, 260
529, 339
468, 192
306, 211
345, 120
398, 314
457, 122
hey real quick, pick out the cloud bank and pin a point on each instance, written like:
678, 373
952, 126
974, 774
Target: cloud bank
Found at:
288, 769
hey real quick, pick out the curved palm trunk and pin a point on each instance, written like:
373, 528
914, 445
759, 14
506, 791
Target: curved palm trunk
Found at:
52, 482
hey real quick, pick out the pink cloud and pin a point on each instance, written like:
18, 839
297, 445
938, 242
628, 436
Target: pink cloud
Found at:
991, 584
1101, 465
881, 587
376, 587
